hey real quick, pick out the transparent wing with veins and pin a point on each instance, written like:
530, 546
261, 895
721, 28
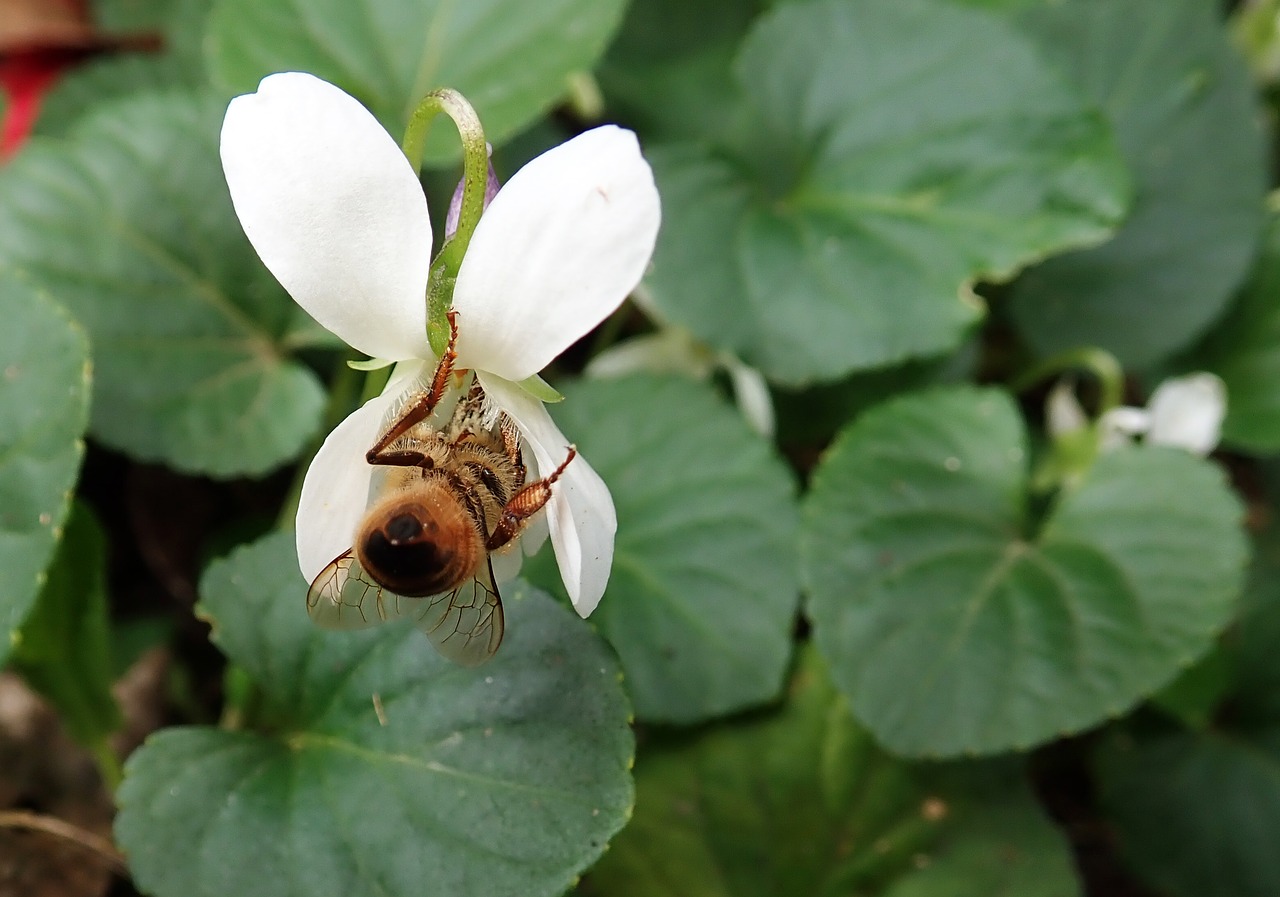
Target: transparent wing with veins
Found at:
343, 596
465, 625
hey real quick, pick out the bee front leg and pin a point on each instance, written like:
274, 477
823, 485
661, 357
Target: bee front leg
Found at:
417, 411
527, 501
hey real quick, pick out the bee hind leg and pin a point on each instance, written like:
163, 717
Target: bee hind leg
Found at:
527, 501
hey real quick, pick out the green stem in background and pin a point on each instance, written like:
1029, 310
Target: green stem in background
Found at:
1071, 454
108, 764
585, 97
475, 173
1100, 364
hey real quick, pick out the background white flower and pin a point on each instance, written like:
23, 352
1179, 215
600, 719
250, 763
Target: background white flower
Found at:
1185, 412
336, 212
1188, 412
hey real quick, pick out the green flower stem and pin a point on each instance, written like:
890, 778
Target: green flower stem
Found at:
1071, 454
1100, 364
475, 173
585, 97
108, 764
439, 300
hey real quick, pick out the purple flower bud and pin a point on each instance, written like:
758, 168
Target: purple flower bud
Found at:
455, 205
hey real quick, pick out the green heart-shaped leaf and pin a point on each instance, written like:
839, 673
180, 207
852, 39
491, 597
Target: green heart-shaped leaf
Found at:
1183, 108
954, 627
383, 769
801, 801
704, 587
510, 59
131, 224
890, 167
44, 403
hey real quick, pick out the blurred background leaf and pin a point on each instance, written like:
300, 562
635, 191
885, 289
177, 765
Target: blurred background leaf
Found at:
1244, 350
1197, 812
957, 622
801, 801
670, 72
44, 403
63, 649
702, 598
165, 40
1186, 117
841, 234
512, 61
130, 222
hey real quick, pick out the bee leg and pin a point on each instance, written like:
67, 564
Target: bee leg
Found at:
403, 459
527, 501
418, 411
511, 446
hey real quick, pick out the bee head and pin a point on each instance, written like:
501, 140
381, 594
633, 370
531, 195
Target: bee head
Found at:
419, 545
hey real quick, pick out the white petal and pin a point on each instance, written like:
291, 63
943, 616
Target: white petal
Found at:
506, 564
562, 245
1188, 411
535, 535
335, 491
1118, 426
1062, 411
334, 210
752, 394
580, 514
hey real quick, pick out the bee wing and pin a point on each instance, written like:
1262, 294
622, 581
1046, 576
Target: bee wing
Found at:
466, 624
343, 596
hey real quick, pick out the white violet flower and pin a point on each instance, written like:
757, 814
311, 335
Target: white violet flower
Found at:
336, 212
1184, 412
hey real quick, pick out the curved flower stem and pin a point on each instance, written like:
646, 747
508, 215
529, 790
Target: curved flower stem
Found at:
1101, 364
475, 173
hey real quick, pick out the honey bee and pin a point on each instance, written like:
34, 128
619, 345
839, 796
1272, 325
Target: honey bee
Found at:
449, 489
